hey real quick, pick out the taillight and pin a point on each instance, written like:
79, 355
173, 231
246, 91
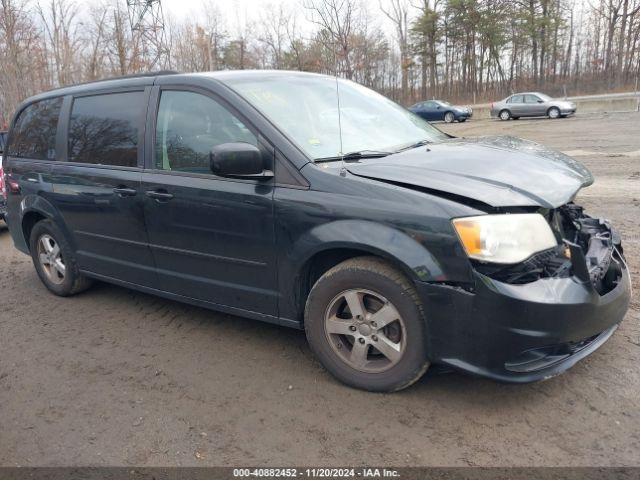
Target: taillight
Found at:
3, 188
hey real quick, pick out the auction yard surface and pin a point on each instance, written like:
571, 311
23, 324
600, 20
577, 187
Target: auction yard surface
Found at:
116, 377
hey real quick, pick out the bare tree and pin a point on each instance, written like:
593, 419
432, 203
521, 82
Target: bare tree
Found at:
274, 21
336, 18
398, 13
63, 40
20, 54
457, 49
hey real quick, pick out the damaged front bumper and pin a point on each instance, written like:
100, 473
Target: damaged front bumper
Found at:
523, 328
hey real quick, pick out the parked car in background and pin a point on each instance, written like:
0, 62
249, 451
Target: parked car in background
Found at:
3, 190
434, 110
393, 245
531, 104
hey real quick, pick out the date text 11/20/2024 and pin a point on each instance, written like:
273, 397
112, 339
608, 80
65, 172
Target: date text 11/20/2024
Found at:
364, 472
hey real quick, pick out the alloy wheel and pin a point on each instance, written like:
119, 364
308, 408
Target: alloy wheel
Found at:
51, 259
365, 330
449, 118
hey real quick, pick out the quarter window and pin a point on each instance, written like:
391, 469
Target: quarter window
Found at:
189, 125
104, 129
34, 133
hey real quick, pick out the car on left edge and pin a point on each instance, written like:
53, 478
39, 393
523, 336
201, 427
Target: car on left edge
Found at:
3, 189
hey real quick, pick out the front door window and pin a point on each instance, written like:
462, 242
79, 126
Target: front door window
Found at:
189, 125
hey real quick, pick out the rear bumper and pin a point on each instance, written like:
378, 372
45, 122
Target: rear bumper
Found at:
520, 333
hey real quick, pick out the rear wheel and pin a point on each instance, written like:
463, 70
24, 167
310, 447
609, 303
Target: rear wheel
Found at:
54, 261
505, 115
365, 323
449, 117
553, 112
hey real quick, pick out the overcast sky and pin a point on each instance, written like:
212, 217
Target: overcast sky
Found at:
251, 10
189, 8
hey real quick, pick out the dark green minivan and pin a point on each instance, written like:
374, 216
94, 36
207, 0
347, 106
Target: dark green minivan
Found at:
318, 204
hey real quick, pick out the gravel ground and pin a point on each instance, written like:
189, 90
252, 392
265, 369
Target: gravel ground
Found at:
115, 377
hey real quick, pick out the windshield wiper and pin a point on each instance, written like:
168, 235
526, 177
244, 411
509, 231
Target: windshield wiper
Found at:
354, 156
421, 143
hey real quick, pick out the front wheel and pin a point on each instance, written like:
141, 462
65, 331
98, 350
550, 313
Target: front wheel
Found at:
365, 323
553, 112
54, 260
449, 117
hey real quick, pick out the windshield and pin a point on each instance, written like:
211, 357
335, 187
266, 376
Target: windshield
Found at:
544, 97
443, 103
305, 107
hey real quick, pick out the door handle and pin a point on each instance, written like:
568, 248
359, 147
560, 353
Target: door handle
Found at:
159, 195
125, 191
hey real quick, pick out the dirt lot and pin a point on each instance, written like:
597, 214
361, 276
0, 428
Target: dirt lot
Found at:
115, 377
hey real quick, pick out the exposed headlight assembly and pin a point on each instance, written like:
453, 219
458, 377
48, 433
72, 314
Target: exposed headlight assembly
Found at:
504, 238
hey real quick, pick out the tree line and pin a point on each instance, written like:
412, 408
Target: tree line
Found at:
459, 50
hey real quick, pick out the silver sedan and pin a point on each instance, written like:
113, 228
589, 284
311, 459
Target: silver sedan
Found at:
531, 104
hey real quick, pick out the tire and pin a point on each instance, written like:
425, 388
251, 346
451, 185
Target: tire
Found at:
553, 113
515, 118
449, 117
373, 286
504, 115
62, 280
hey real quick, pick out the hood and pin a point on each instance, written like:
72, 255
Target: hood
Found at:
498, 171
566, 103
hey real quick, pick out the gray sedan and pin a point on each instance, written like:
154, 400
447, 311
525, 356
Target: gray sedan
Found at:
531, 104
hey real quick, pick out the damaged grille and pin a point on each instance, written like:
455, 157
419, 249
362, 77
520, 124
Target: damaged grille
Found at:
550, 263
588, 249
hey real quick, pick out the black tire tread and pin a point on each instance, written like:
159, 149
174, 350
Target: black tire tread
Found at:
80, 282
553, 108
383, 268
505, 110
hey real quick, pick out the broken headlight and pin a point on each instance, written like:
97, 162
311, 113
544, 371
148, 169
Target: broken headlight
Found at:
504, 238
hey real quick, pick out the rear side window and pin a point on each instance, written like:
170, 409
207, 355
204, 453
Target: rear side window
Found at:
34, 133
104, 129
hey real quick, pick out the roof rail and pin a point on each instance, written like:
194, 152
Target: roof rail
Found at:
141, 74
123, 77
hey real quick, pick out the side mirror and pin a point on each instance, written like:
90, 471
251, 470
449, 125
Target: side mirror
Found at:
540, 101
438, 107
238, 159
